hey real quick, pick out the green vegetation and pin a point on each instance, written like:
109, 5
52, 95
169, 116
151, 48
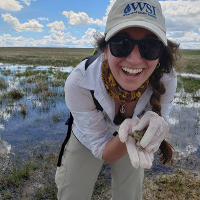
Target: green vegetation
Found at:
190, 61
34, 178
23, 110
30, 72
15, 175
3, 84
30, 179
180, 185
56, 118
190, 85
6, 72
14, 94
60, 75
43, 56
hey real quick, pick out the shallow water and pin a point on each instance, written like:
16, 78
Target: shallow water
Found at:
37, 131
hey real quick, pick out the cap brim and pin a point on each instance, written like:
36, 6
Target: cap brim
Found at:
149, 26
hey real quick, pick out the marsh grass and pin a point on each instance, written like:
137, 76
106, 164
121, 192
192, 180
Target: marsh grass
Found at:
41, 83
57, 82
6, 72
3, 84
190, 61
60, 75
34, 178
31, 179
56, 118
16, 174
44, 56
40, 86
13, 95
30, 72
180, 185
190, 85
23, 109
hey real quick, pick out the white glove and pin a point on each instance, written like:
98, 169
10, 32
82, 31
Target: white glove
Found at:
126, 128
156, 132
138, 157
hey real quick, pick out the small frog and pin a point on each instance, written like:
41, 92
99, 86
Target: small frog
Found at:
138, 136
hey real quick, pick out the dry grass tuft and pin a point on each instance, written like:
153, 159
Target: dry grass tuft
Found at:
180, 185
3, 84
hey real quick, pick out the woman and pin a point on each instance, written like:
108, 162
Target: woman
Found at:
134, 82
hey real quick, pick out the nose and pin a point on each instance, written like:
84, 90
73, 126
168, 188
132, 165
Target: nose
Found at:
134, 57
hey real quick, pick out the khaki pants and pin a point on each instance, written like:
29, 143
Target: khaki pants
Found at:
77, 175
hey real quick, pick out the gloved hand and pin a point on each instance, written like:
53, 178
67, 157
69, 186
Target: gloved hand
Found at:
126, 128
138, 157
157, 130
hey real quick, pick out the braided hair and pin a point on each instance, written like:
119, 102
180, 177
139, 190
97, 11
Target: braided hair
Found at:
167, 61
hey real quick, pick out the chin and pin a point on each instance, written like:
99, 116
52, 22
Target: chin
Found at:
130, 87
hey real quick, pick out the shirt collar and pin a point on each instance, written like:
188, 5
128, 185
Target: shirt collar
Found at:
91, 75
92, 80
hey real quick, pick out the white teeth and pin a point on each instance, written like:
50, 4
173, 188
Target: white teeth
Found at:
131, 71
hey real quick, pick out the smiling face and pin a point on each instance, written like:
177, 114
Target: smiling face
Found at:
131, 71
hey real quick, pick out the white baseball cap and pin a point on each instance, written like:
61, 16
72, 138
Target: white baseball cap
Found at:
136, 13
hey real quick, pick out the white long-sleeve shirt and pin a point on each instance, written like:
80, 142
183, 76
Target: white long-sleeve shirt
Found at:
94, 128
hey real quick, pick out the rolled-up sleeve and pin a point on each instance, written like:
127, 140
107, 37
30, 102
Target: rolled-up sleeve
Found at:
90, 123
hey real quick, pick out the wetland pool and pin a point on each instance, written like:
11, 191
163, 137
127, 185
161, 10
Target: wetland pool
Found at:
34, 123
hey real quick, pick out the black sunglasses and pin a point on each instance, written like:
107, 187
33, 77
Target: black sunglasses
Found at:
150, 49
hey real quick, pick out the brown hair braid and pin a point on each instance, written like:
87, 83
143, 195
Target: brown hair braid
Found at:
166, 150
167, 62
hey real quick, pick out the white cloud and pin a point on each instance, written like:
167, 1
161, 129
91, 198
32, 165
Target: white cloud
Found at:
32, 25
184, 13
43, 19
8, 40
28, 2
180, 8
56, 39
10, 5
81, 19
60, 39
87, 40
56, 26
182, 21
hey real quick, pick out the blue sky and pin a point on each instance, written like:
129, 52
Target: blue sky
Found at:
72, 23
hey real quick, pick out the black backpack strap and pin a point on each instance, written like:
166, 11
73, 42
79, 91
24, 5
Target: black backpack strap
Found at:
91, 59
98, 106
69, 123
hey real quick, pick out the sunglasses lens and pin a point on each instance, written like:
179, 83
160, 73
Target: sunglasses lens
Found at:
150, 49
120, 47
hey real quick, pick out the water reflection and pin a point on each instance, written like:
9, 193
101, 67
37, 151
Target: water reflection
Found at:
184, 131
